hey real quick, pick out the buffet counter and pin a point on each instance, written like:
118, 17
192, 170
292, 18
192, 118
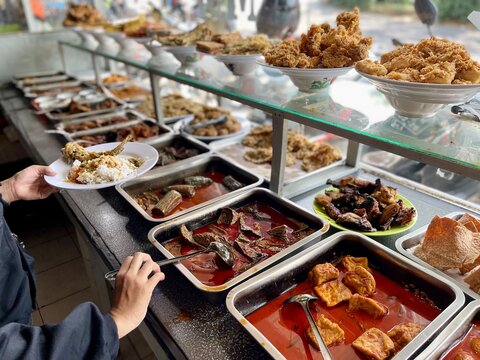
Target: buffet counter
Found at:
179, 318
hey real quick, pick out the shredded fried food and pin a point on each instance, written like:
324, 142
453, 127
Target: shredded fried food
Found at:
235, 44
433, 60
324, 46
201, 33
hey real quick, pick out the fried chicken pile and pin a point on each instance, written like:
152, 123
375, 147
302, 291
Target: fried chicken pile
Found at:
82, 14
433, 60
324, 46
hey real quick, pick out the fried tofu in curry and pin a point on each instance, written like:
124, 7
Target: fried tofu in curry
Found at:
322, 273
362, 303
360, 281
351, 262
331, 332
374, 344
402, 334
333, 292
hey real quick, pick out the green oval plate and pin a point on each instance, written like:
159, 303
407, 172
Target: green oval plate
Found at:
392, 231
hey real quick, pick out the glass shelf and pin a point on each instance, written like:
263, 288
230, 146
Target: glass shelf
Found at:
351, 108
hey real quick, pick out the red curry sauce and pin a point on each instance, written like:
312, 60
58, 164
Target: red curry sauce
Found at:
284, 325
209, 269
463, 345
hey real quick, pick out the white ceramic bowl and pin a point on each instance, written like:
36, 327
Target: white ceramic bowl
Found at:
310, 80
185, 54
160, 57
239, 64
416, 100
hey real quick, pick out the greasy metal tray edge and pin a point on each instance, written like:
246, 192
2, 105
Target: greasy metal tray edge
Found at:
173, 169
416, 237
161, 140
52, 117
322, 247
43, 80
454, 330
217, 147
214, 292
21, 76
60, 126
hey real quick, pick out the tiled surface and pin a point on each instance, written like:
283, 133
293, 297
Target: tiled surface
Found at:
52, 253
56, 312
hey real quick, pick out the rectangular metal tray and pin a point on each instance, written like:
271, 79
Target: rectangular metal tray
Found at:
452, 332
164, 232
63, 117
56, 90
21, 84
50, 86
261, 289
102, 130
233, 149
170, 174
186, 141
38, 74
407, 242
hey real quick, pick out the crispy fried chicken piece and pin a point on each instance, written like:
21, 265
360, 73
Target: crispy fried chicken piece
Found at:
370, 67
386, 195
350, 20
388, 216
351, 262
332, 211
357, 222
331, 332
402, 334
374, 344
322, 273
362, 303
333, 292
360, 281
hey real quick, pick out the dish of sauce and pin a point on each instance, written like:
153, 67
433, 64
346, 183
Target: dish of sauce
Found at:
284, 325
466, 345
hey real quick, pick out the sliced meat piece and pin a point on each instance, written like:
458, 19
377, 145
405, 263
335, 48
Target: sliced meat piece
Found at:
402, 334
228, 217
206, 238
374, 344
331, 332
268, 245
333, 292
322, 273
280, 232
255, 229
371, 307
351, 262
245, 246
360, 281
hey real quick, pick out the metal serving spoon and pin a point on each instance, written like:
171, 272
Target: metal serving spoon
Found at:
219, 248
303, 300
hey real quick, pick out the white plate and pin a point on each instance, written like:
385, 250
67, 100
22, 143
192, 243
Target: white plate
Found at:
244, 123
132, 149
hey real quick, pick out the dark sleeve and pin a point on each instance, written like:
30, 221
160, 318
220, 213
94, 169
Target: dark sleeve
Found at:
85, 334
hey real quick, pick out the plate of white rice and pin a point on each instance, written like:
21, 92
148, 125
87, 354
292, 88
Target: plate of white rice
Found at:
106, 170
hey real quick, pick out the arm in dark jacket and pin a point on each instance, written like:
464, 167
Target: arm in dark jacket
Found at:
85, 334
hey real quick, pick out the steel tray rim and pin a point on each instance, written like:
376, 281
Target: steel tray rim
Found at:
253, 270
175, 168
451, 332
421, 231
321, 247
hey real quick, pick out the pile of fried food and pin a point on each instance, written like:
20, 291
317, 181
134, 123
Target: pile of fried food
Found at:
173, 105
96, 167
229, 126
82, 15
75, 107
453, 244
433, 60
364, 205
201, 33
130, 93
94, 123
234, 44
114, 78
138, 27
357, 286
162, 205
324, 46
312, 155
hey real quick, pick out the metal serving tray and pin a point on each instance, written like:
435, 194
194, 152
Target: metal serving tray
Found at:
171, 174
261, 289
39, 74
21, 84
233, 149
164, 232
59, 88
184, 140
100, 131
453, 332
50, 86
63, 117
406, 244
61, 126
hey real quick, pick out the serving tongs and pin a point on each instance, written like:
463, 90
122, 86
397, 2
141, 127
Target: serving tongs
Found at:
190, 128
466, 110
222, 250
303, 300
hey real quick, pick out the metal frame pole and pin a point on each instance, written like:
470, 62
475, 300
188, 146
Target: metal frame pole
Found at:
279, 144
353, 152
61, 50
157, 99
96, 70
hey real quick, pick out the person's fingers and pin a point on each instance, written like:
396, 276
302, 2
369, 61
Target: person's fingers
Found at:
138, 259
125, 266
147, 268
44, 170
154, 280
